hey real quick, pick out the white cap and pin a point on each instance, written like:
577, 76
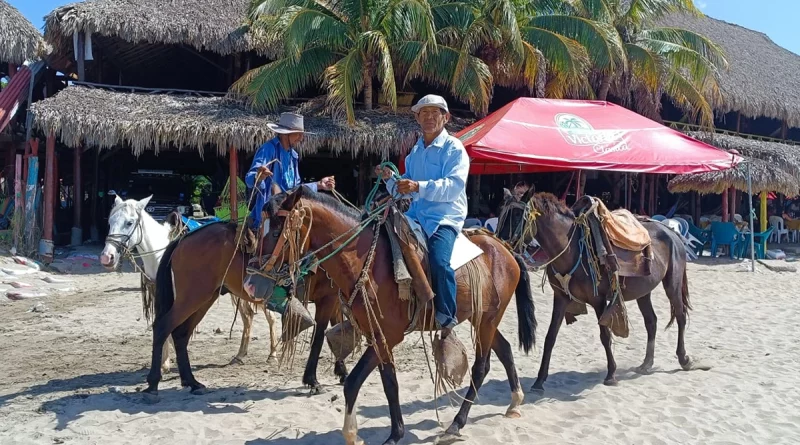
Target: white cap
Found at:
431, 100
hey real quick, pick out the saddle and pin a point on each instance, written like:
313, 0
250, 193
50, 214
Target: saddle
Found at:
620, 240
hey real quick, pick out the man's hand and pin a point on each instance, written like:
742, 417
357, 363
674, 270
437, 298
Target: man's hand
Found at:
328, 183
406, 186
385, 173
263, 173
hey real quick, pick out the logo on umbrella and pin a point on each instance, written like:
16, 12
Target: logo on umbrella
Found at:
577, 131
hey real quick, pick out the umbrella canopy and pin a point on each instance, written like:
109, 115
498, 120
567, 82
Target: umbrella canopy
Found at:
534, 135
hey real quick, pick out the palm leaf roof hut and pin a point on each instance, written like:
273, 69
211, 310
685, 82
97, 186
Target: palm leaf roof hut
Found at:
761, 82
20, 41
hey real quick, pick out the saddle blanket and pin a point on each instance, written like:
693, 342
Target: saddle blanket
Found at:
194, 224
464, 250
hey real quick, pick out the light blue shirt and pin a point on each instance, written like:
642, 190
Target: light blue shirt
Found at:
285, 172
441, 169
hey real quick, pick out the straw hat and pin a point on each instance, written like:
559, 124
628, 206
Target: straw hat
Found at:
289, 123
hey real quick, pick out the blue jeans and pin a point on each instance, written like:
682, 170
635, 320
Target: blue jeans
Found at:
443, 278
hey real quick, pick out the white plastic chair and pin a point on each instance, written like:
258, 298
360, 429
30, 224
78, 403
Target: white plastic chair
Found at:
491, 224
779, 228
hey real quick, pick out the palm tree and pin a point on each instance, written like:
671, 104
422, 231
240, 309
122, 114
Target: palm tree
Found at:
648, 60
343, 44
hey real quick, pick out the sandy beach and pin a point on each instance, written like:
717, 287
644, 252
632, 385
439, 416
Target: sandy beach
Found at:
72, 367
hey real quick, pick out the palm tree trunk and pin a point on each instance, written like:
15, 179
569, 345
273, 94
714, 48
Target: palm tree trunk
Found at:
368, 86
605, 85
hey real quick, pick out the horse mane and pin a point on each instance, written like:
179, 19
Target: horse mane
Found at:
548, 205
274, 204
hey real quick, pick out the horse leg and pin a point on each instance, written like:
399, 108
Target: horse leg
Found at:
165, 363
247, 323
162, 328
339, 368
362, 370
502, 348
605, 338
650, 319
273, 336
322, 318
560, 302
479, 370
390, 388
182, 334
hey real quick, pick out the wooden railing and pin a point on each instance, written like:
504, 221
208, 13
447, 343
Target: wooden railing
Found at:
683, 126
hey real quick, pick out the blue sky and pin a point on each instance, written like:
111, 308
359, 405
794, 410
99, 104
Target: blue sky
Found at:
776, 18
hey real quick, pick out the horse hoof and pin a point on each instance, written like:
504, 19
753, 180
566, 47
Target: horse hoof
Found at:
645, 368
448, 437
200, 390
316, 390
691, 365
610, 382
513, 413
236, 361
150, 397
537, 388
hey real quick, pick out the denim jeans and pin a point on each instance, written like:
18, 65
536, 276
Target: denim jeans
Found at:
443, 278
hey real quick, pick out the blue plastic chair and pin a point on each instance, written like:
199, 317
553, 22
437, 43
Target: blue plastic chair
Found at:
658, 218
703, 235
725, 234
760, 244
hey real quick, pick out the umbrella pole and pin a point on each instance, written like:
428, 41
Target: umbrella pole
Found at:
752, 229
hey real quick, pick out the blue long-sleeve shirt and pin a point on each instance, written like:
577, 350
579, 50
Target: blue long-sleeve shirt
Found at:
441, 169
285, 172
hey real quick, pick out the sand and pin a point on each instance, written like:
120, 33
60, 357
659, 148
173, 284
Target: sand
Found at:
70, 372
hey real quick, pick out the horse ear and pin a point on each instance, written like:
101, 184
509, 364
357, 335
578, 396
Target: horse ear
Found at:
292, 198
143, 202
506, 193
117, 200
528, 194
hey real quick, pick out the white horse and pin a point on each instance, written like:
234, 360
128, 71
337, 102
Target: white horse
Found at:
132, 228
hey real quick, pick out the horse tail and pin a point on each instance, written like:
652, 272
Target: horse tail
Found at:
686, 304
526, 324
165, 293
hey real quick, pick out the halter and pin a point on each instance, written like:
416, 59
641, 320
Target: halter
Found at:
120, 240
291, 242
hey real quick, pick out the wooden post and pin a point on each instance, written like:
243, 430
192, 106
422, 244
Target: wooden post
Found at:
699, 209
363, 174
46, 247
94, 233
12, 70
725, 214
476, 194
642, 182
77, 198
762, 218
578, 186
234, 183
80, 57
732, 196
19, 203
652, 187
693, 207
784, 131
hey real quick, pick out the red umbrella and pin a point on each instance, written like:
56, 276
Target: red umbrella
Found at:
536, 135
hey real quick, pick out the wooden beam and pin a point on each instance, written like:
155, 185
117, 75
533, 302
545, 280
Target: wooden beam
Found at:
725, 214
642, 182
732, 196
784, 131
762, 217
738, 122
19, 202
77, 198
94, 233
81, 56
578, 186
233, 163
49, 198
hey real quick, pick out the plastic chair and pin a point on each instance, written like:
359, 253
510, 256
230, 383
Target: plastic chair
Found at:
760, 244
658, 217
472, 222
684, 225
778, 224
725, 234
491, 224
703, 236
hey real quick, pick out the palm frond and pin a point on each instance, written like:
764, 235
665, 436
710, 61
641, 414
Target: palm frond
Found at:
641, 12
602, 42
646, 66
689, 98
409, 20
374, 46
691, 63
267, 86
692, 40
598, 10
308, 27
567, 59
344, 80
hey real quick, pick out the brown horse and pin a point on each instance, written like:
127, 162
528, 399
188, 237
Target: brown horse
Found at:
331, 229
190, 276
553, 228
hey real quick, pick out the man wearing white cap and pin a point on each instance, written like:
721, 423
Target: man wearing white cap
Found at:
280, 176
436, 179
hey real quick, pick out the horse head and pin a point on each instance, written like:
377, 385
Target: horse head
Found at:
125, 230
511, 221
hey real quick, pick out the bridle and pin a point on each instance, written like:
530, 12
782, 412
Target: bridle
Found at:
526, 229
121, 240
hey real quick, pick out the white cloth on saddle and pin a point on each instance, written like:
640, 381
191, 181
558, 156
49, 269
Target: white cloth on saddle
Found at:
464, 250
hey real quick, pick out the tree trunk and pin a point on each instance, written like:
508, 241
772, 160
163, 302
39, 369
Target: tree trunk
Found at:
368, 87
605, 85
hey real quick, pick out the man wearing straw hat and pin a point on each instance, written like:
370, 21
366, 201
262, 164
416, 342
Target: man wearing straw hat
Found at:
436, 178
275, 169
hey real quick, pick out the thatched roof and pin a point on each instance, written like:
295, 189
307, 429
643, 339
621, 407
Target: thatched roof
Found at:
775, 153
765, 177
762, 78
212, 25
19, 39
98, 117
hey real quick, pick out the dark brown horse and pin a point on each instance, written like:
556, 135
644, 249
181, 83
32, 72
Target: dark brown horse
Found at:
197, 267
379, 312
553, 229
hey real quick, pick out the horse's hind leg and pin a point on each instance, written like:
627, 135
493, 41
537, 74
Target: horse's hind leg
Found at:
605, 338
678, 293
165, 363
560, 301
479, 370
273, 336
391, 389
162, 328
650, 320
502, 348
247, 323
182, 334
